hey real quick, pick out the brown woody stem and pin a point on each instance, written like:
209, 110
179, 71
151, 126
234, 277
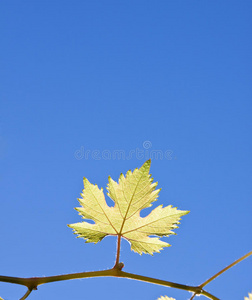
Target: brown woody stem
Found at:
33, 282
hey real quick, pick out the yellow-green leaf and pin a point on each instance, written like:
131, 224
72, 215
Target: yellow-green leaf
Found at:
249, 297
131, 194
165, 298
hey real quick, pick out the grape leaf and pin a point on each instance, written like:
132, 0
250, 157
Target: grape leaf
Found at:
133, 193
249, 297
165, 298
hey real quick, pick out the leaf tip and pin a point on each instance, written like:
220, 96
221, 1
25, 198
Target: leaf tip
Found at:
147, 163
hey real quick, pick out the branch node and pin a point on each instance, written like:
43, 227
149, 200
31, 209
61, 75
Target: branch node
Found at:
119, 266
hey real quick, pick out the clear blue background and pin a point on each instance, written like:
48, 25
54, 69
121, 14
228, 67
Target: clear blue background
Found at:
79, 76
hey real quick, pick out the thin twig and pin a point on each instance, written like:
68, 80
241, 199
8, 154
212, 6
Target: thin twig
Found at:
225, 269
222, 271
26, 294
193, 296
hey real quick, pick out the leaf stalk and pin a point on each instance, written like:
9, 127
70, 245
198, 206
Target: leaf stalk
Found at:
118, 250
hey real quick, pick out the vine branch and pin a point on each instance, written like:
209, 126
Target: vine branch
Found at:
33, 282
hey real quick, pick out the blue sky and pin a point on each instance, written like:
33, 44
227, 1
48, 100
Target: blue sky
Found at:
81, 80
